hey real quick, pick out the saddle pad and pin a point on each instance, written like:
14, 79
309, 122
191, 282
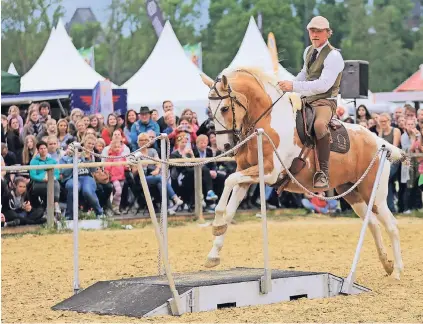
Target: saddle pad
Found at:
340, 141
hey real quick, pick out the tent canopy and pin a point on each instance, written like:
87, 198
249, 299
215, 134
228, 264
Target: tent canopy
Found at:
254, 52
168, 74
10, 83
60, 66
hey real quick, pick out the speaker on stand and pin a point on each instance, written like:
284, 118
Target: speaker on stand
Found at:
355, 82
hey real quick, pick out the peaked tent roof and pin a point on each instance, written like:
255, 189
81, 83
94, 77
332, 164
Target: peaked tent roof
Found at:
12, 69
254, 52
413, 83
168, 74
60, 66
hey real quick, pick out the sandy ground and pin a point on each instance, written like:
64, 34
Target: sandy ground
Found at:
37, 270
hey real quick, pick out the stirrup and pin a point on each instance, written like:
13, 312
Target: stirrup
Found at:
316, 177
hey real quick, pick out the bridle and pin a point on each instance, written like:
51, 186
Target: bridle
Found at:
236, 133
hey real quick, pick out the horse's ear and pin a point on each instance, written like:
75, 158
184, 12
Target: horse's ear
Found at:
206, 80
224, 82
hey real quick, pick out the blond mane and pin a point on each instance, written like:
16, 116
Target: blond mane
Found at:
258, 73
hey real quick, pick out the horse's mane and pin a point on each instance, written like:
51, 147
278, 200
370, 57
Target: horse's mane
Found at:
258, 73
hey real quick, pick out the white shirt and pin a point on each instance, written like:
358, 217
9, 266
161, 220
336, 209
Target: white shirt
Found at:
333, 65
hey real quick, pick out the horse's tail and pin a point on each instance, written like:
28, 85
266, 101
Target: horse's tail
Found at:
396, 154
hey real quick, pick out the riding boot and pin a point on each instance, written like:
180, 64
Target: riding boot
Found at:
321, 179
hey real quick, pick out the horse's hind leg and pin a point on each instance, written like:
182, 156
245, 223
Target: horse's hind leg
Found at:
359, 205
239, 191
384, 215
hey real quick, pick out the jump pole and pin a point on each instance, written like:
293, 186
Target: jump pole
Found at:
75, 181
163, 151
175, 302
266, 280
346, 287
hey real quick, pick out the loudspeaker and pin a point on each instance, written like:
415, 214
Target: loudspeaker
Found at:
355, 80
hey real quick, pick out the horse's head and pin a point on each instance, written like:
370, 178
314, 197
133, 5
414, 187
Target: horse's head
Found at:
229, 104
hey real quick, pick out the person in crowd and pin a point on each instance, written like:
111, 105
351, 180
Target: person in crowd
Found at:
121, 121
33, 125
167, 106
370, 123
100, 144
49, 129
16, 205
14, 140
152, 172
102, 178
186, 174
143, 126
400, 124
188, 114
95, 125
154, 115
420, 119
399, 112
81, 129
393, 136
29, 150
40, 176
112, 125
317, 205
45, 110
55, 152
410, 135
117, 173
362, 114
130, 119
376, 127
194, 122
410, 111
100, 118
14, 112
75, 115
91, 131
208, 125
363, 123
86, 120
417, 147
184, 127
86, 185
117, 136
63, 136
8, 156
4, 123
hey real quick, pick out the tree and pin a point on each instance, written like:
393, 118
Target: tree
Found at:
336, 13
26, 26
304, 11
85, 35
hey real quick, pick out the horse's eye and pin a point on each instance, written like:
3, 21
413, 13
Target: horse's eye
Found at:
224, 109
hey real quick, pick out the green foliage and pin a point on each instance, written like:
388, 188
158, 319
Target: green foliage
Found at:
375, 32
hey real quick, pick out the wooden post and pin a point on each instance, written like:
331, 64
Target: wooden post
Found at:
50, 197
198, 188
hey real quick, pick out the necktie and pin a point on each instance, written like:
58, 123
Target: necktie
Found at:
313, 58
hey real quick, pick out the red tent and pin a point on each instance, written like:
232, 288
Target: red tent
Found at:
413, 83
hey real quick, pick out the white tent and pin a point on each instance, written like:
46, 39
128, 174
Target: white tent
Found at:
168, 74
12, 69
254, 52
60, 66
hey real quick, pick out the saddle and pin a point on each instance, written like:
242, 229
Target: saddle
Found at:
339, 141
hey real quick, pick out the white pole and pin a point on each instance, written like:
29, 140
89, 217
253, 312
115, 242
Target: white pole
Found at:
349, 281
163, 151
176, 302
75, 180
266, 280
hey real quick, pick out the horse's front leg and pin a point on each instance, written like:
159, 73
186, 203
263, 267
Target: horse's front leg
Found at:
219, 223
239, 191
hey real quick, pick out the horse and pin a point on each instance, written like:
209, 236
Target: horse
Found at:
239, 100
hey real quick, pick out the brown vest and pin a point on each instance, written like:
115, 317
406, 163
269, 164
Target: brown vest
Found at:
315, 70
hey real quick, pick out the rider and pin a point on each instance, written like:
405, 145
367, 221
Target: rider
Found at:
319, 82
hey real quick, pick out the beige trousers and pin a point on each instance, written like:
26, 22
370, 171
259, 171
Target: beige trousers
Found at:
325, 109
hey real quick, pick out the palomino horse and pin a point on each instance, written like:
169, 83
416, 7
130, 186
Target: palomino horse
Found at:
237, 100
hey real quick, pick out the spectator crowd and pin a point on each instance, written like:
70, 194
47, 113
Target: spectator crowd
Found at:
33, 137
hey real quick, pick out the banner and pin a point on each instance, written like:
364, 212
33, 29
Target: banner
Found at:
102, 99
155, 14
88, 55
195, 54
271, 44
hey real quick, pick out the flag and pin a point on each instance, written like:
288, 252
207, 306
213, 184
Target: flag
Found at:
88, 55
271, 44
102, 101
155, 14
195, 54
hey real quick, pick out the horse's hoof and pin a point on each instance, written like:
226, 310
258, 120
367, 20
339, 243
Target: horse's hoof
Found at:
212, 262
220, 230
389, 267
